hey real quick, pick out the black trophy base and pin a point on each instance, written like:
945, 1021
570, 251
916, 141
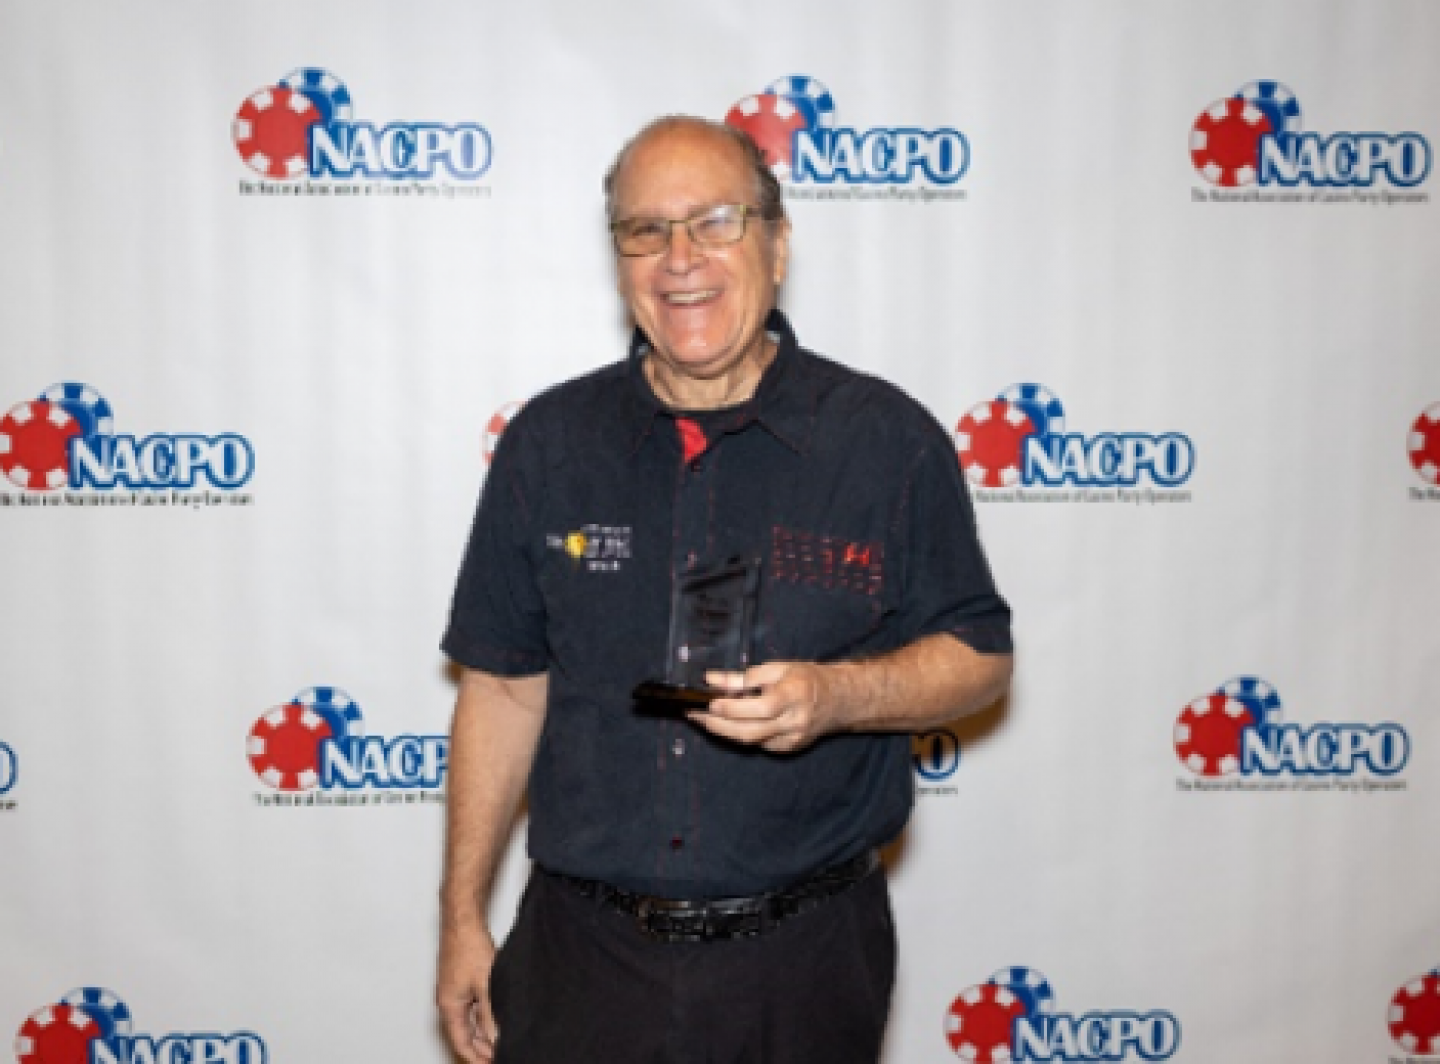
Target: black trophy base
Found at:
666, 699
663, 699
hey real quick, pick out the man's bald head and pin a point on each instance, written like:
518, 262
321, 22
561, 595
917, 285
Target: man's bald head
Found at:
727, 138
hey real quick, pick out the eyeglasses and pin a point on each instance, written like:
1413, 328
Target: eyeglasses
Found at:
710, 227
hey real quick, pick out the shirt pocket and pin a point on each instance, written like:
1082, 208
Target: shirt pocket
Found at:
823, 595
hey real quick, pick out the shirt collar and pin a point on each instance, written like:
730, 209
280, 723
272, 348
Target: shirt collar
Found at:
784, 401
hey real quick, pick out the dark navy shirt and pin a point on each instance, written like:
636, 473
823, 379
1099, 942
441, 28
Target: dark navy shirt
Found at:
852, 495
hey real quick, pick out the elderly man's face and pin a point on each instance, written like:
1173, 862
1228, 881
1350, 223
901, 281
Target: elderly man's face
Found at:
703, 308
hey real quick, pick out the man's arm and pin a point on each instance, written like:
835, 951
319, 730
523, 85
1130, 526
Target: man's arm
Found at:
492, 746
926, 683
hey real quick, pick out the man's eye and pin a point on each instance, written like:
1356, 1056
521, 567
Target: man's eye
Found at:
647, 229
712, 227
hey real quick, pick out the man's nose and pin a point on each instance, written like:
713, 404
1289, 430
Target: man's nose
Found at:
682, 253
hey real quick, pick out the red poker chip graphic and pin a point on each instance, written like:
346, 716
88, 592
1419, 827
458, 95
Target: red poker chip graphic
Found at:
272, 132
1415, 1015
496, 426
284, 747
56, 1034
1208, 734
1225, 141
1425, 444
991, 439
980, 1023
34, 439
771, 121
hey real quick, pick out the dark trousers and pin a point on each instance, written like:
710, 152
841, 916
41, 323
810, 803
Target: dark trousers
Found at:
578, 983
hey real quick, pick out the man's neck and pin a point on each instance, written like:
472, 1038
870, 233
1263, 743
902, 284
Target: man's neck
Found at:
736, 385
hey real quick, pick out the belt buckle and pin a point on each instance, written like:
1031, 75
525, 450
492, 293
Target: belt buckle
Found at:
735, 918
677, 922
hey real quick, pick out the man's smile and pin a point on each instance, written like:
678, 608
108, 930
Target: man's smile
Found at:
691, 299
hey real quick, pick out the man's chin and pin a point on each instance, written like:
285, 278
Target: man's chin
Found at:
702, 362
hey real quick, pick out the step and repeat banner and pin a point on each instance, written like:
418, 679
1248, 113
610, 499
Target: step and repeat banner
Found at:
274, 277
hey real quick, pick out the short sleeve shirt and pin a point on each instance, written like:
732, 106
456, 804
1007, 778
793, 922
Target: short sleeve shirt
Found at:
851, 495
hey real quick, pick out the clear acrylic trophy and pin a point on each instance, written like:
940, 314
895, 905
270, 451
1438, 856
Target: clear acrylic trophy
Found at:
712, 620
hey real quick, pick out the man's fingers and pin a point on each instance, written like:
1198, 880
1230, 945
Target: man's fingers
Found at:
738, 731
462, 992
489, 1031
781, 718
771, 733
756, 707
769, 704
726, 681
774, 740
463, 998
760, 676
460, 1031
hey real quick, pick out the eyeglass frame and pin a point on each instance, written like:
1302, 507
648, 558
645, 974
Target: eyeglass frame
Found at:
745, 209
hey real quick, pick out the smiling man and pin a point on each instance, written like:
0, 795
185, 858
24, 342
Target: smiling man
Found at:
706, 885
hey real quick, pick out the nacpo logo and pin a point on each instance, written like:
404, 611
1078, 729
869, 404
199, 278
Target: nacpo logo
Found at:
1414, 1015
90, 1025
1238, 729
496, 426
1019, 439
935, 755
66, 438
9, 768
797, 126
1013, 1017
302, 126
318, 740
1257, 136
1424, 448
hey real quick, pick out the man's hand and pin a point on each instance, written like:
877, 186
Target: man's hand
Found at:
791, 711
922, 684
462, 992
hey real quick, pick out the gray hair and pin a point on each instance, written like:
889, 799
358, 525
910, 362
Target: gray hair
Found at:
772, 206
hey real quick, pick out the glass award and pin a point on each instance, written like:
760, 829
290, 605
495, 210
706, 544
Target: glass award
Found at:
712, 619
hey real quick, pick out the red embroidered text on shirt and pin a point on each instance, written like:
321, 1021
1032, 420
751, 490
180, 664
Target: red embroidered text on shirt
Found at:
826, 561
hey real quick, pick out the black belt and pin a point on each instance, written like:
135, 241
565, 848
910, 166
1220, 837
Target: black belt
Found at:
710, 919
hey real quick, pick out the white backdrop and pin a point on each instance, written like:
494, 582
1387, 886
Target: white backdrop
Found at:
358, 333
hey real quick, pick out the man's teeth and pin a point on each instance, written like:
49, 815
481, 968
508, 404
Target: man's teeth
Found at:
687, 298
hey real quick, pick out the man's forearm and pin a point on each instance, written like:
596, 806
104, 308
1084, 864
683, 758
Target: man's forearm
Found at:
931, 681
493, 739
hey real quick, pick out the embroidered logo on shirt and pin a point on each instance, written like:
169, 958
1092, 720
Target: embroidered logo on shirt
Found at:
826, 561
599, 548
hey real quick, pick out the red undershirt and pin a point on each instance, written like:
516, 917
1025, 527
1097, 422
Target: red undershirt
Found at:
692, 438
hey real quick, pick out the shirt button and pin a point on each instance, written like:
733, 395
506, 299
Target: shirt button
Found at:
679, 747
691, 558
697, 466
677, 843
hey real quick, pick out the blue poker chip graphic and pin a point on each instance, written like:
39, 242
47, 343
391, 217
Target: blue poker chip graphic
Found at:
327, 92
1030, 986
1257, 696
1276, 102
336, 708
87, 406
810, 97
108, 1011
1045, 411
